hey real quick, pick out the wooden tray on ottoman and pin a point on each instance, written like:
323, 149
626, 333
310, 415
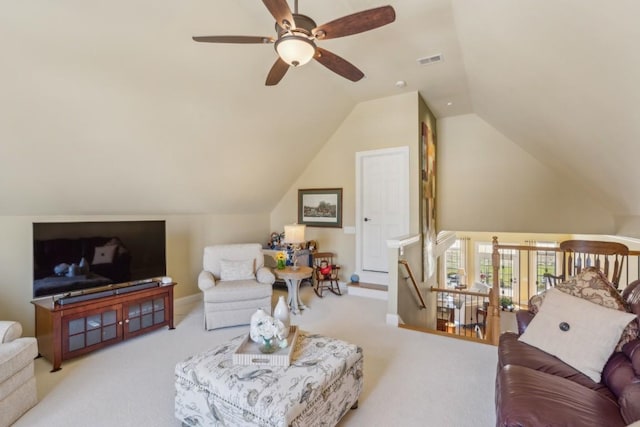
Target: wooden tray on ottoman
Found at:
248, 352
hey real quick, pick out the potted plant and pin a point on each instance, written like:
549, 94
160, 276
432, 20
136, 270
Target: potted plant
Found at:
506, 303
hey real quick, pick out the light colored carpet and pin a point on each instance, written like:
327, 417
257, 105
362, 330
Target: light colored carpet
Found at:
410, 378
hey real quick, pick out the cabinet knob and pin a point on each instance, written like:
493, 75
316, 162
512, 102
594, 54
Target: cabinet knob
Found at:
126, 321
120, 322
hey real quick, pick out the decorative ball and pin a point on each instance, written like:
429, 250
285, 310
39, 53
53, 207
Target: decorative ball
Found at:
355, 278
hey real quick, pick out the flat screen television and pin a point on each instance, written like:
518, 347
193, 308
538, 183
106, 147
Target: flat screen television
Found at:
69, 257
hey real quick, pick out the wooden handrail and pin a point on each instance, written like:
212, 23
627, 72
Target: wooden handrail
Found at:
413, 280
545, 249
456, 291
574, 254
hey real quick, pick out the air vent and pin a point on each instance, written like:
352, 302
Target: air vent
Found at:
430, 59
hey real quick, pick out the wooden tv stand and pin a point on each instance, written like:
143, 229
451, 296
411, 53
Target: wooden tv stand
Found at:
71, 329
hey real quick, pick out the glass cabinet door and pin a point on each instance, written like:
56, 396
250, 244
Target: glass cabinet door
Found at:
88, 330
144, 314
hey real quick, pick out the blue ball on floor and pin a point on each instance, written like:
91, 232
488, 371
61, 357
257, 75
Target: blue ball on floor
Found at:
355, 278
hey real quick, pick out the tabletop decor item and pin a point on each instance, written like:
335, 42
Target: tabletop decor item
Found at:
270, 345
294, 236
281, 312
272, 332
249, 353
281, 260
253, 326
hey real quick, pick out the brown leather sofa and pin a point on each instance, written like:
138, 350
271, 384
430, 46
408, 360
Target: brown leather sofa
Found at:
534, 388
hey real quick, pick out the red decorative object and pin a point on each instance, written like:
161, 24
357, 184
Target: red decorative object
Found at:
325, 268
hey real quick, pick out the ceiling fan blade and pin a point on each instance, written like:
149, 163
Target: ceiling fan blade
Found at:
338, 65
233, 39
280, 10
277, 72
356, 23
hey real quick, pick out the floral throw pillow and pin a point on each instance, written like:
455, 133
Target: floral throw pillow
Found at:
237, 270
592, 285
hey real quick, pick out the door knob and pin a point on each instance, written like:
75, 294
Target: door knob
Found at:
367, 219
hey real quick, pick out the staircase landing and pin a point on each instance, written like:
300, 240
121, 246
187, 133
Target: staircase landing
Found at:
368, 290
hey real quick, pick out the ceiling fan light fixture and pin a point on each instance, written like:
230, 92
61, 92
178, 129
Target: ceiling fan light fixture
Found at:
295, 50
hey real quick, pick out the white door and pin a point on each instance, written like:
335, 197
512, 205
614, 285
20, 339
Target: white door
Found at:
382, 210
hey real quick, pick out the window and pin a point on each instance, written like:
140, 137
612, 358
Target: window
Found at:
484, 270
455, 261
508, 272
509, 267
545, 261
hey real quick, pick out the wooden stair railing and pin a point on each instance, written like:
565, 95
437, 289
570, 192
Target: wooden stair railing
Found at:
493, 310
422, 304
611, 258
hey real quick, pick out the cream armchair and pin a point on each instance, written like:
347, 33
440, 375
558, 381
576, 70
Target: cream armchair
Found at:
235, 284
17, 379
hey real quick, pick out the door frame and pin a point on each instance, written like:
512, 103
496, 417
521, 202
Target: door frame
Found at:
378, 278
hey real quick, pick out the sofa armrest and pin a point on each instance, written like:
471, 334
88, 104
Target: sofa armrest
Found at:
9, 331
265, 275
629, 402
523, 318
206, 280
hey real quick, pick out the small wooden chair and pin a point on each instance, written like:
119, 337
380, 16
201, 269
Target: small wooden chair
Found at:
579, 254
325, 273
550, 281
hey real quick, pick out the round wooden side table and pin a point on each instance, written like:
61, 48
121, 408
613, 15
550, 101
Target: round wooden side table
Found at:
293, 278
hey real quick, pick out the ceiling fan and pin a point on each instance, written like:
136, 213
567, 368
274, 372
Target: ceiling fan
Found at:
297, 35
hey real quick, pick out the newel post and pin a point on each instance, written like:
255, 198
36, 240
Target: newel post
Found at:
493, 312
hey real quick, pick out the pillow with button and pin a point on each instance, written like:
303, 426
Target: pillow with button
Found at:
592, 285
578, 332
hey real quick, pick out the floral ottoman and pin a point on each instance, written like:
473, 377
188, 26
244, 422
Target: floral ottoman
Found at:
322, 383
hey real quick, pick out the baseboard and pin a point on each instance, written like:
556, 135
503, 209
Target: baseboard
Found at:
189, 299
363, 291
393, 320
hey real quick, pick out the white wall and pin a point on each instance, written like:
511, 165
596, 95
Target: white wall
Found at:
628, 226
186, 237
381, 123
488, 183
485, 183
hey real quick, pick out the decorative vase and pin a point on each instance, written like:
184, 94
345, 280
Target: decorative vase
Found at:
73, 270
269, 345
84, 266
255, 317
281, 264
281, 312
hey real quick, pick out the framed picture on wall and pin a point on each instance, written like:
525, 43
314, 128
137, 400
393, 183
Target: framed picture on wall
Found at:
320, 207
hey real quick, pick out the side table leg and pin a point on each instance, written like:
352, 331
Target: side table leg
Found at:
300, 304
292, 297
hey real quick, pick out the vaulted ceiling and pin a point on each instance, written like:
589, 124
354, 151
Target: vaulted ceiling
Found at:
110, 107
